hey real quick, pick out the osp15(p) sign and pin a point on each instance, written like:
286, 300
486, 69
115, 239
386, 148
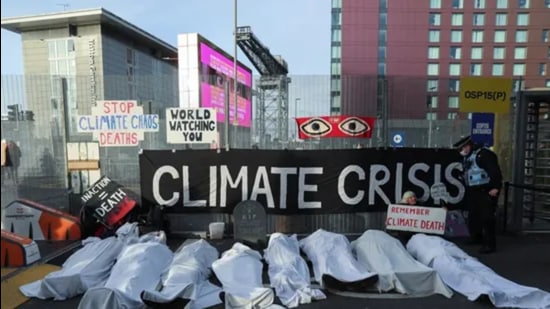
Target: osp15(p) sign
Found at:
485, 95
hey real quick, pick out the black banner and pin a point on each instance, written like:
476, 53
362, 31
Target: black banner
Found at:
301, 181
107, 202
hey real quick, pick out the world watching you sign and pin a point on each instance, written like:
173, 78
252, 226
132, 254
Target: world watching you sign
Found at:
117, 123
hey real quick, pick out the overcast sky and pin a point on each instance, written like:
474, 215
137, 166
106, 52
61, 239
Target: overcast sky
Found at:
299, 30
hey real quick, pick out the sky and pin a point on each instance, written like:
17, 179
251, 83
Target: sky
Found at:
299, 30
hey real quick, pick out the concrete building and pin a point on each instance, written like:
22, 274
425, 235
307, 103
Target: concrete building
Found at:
71, 60
411, 53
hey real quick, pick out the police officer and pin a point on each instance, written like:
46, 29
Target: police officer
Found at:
483, 180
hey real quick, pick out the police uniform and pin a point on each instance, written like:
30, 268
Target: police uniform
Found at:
481, 174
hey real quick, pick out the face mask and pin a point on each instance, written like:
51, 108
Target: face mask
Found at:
464, 152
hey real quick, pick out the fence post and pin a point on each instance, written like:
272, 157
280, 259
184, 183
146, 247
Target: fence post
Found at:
505, 210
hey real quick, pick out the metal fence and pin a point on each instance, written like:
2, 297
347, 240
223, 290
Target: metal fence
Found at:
400, 107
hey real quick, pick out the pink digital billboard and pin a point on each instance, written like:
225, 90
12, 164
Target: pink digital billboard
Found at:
215, 70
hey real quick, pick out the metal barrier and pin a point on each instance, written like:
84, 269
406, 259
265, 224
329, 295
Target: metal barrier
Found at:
532, 212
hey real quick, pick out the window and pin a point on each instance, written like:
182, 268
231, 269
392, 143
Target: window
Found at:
454, 52
336, 17
432, 101
335, 84
454, 69
336, 52
479, 4
500, 36
432, 84
479, 19
130, 56
518, 69
477, 36
456, 19
433, 52
435, 19
434, 36
381, 53
547, 3
456, 36
381, 68
336, 35
523, 4
453, 102
452, 115
499, 52
383, 19
335, 68
458, 4
475, 69
435, 4
498, 69
502, 4
545, 35
336, 3
523, 19
501, 19
520, 53
542, 69
548, 52
477, 52
431, 116
454, 85
433, 69
521, 36
382, 37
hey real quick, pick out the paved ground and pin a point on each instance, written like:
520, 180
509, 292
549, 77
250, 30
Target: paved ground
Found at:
523, 259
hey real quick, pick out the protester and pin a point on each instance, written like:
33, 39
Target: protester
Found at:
483, 180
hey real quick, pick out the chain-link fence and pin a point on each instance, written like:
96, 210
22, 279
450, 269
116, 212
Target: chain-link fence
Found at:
424, 113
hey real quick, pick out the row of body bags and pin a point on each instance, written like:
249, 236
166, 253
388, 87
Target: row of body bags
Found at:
128, 271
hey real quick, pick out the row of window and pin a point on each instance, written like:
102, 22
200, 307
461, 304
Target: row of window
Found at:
481, 4
499, 36
476, 69
476, 53
478, 19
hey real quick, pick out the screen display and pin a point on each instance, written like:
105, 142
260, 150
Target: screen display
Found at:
215, 70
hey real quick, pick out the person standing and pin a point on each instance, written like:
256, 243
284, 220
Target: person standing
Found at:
13, 160
483, 180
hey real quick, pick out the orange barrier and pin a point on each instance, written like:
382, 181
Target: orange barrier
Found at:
18, 251
40, 222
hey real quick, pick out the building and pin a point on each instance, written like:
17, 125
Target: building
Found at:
71, 60
411, 54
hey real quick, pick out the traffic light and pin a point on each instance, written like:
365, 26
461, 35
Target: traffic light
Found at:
29, 116
13, 112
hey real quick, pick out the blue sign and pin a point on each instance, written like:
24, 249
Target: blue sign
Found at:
398, 139
483, 127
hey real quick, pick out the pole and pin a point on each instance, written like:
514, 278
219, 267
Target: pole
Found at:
235, 83
296, 117
226, 113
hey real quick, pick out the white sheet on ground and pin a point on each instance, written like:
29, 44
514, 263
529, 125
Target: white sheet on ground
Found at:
470, 277
395, 267
288, 271
331, 254
187, 277
88, 267
139, 267
240, 272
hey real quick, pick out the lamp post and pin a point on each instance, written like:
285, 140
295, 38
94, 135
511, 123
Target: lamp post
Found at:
235, 83
295, 117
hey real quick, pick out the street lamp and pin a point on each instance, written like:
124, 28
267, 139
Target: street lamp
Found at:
295, 117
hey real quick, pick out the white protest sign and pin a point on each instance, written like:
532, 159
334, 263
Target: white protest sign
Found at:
118, 123
438, 191
416, 219
191, 126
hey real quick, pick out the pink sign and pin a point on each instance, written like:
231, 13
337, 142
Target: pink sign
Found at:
215, 70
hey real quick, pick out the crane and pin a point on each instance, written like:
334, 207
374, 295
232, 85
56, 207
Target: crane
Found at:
272, 96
